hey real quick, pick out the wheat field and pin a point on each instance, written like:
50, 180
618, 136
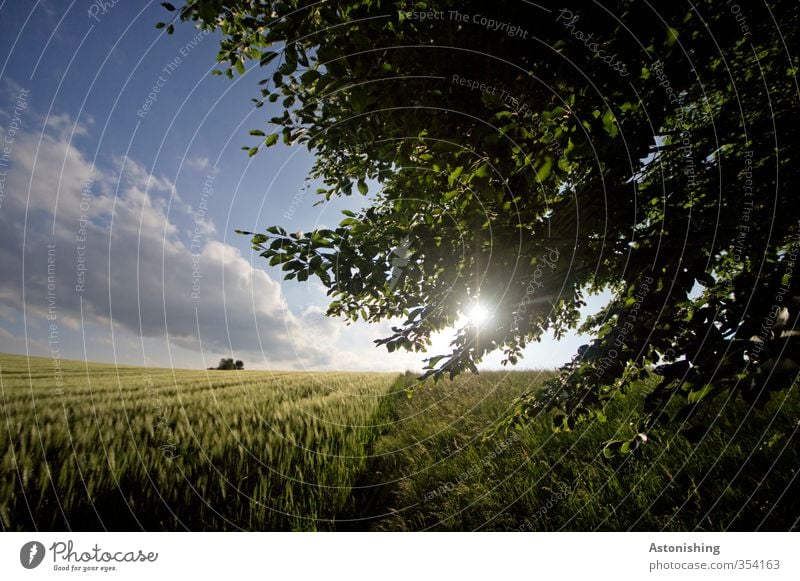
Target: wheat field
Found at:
94, 446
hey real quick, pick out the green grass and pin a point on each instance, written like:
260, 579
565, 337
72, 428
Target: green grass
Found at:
125, 448
129, 447
435, 472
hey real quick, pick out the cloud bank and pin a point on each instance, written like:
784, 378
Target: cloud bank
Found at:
118, 247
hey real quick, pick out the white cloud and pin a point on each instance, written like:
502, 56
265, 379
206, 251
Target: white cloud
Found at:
198, 163
140, 271
63, 125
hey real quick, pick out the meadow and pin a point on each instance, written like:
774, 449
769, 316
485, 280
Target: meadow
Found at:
128, 448
436, 471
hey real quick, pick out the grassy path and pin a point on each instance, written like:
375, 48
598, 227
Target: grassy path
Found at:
431, 470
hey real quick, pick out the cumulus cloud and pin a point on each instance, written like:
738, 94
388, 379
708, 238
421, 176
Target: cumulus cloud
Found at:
63, 125
109, 244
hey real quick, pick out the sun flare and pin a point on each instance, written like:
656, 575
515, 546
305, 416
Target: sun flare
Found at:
477, 314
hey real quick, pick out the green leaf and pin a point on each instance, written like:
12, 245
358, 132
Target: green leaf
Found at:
609, 123
482, 171
696, 396
358, 98
672, 36
450, 195
271, 140
454, 175
257, 132
545, 170
267, 57
362, 187
310, 76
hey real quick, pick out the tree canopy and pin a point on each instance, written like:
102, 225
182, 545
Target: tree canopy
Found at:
528, 154
228, 364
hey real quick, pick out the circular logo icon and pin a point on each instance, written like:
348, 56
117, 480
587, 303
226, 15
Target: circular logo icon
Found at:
31, 554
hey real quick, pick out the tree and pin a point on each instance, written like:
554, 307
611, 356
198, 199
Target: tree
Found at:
239, 364
528, 154
226, 364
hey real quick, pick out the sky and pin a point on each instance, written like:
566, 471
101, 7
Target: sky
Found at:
123, 179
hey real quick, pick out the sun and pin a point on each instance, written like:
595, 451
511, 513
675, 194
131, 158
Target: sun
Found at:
477, 314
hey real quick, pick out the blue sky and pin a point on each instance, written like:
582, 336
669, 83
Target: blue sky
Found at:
126, 179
